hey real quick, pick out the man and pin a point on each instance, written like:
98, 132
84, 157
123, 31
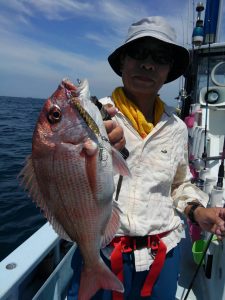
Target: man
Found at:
145, 252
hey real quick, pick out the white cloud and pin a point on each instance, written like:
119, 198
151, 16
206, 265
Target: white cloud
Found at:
45, 64
60, 9
115, 15
117, 11
17, 6
51, 9
30, 64
42, 68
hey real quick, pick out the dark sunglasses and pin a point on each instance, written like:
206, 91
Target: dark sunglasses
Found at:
140, 52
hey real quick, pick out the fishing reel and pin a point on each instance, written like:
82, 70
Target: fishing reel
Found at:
198, 165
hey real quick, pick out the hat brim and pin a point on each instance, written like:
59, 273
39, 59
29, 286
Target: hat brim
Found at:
180, 59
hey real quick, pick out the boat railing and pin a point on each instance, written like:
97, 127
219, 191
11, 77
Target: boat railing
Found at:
34, 270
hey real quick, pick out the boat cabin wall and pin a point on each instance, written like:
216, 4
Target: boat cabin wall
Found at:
205, 117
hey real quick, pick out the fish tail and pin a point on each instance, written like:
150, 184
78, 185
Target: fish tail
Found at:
100, 277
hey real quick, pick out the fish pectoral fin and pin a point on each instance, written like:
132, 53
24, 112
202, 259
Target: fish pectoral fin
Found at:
90, 147
119, 164
111, 228
100, 277
29, 181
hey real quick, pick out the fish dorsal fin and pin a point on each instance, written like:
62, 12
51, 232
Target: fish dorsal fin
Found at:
29, 181
111, 228
119, 164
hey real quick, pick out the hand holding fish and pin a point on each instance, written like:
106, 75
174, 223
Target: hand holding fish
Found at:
113, 129
211, 219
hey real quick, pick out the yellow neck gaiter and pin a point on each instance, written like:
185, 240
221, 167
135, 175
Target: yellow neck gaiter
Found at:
132, 112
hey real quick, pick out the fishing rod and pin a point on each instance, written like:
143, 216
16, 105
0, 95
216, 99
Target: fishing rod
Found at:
219, 183
199, 265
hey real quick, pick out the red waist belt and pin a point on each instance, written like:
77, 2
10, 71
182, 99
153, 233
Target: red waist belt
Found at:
127, 244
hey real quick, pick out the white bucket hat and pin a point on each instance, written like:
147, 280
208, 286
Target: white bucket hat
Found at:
158, 28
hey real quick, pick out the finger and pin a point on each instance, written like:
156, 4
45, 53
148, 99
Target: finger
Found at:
219, 237
110, 125
116, 135
215, 215
222, 213
120, 145
220, 224
220, 231
215, 229
112, 110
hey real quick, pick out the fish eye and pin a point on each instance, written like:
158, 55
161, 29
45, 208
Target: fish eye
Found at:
54, 114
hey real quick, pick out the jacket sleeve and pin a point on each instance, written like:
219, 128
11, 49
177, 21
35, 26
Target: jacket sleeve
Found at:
183, 191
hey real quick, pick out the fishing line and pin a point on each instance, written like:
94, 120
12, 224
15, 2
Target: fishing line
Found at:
221, 168
204, 154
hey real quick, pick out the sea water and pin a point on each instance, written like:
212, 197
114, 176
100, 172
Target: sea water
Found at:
19, 217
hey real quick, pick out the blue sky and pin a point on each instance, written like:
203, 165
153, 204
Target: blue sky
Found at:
43, 41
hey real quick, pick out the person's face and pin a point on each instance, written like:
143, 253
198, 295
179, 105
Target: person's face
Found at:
145, 66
